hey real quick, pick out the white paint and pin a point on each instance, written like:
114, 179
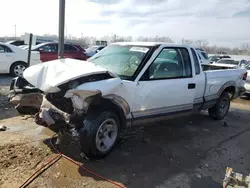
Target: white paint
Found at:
17, 54
217, 78
47, 76
106, 87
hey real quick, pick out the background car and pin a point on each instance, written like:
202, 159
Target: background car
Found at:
233, 62
13, 59
215, 58
93, 50
49, 51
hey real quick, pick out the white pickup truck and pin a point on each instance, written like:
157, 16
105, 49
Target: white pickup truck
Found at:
123, 85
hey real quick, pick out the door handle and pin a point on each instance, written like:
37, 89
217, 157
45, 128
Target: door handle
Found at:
191, 86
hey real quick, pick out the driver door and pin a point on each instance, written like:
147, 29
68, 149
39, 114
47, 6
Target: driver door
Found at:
166, 88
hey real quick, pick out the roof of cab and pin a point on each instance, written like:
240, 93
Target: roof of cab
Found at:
149, 44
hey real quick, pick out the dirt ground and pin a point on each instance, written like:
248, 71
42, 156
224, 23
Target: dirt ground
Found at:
191, 152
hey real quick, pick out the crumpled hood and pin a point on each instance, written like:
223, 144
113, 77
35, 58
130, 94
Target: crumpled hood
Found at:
47, 76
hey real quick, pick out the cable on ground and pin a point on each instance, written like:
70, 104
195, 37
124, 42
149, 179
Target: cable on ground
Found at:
57, 158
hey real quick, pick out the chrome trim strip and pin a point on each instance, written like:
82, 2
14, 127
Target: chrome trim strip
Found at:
160, 111
198, 100
211, 97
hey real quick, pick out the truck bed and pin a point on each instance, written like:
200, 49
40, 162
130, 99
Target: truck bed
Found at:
218, 79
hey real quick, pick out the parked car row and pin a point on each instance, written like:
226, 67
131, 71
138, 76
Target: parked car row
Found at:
49, 51
14, 55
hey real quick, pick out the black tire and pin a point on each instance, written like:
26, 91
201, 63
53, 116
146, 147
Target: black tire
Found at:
25, 110
223, 102
88, 132
13, 67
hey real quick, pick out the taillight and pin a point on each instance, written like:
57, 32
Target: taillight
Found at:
245, 76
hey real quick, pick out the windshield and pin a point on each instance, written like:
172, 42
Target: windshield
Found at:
122, 60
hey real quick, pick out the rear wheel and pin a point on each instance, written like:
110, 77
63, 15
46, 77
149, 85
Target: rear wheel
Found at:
221, 108
99, 133
17, 69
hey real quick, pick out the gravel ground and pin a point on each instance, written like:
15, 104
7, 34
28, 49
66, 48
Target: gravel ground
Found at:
191, 152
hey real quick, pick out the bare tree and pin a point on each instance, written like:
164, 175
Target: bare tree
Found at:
202, 43
245, 47
187, 42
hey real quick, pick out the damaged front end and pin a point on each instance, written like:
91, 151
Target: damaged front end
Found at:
70, 104
66, 107
82, 103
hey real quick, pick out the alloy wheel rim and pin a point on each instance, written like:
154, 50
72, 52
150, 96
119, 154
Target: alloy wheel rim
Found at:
106, 135
18, 70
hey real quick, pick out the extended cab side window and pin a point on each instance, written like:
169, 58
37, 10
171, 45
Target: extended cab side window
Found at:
196, 62
169, 64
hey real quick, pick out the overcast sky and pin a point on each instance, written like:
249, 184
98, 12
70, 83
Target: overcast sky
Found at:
221, 22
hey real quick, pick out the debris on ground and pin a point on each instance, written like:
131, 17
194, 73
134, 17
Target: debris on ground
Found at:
198, 176
3, 128
27, 117
234, 179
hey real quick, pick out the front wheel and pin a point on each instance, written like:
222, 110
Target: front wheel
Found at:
221, 108
99, 133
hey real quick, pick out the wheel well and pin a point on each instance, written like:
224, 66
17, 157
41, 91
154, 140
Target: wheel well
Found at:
107, 104
16, 63
230, 90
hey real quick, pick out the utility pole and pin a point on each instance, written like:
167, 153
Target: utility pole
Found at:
61, 29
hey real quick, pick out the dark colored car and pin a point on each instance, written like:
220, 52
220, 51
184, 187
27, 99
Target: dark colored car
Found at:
49, 51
